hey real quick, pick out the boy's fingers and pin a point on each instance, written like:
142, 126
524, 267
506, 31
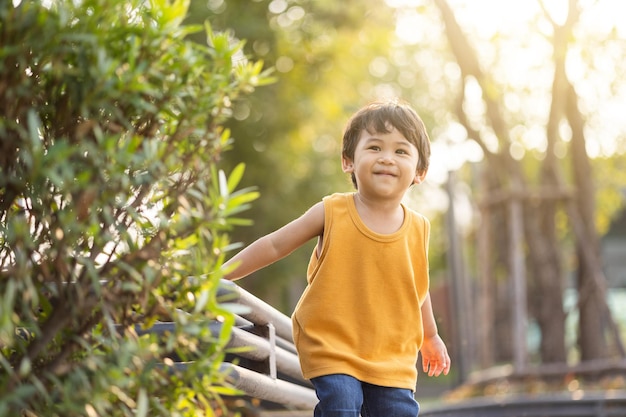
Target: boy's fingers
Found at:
437, 367
445, 364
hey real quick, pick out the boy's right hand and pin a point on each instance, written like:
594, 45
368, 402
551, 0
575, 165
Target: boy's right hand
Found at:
435, 358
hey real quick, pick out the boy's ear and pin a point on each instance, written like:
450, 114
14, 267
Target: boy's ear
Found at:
347, 165
419, 177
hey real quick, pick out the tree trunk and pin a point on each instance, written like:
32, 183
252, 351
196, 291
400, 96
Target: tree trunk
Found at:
546, 281
595, 319
539, 227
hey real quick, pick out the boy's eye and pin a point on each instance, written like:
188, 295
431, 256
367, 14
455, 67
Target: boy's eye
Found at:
374, 148
401, 151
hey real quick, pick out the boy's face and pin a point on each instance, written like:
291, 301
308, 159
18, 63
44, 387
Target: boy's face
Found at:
384, 163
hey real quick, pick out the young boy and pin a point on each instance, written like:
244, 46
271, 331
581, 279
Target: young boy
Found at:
366, 311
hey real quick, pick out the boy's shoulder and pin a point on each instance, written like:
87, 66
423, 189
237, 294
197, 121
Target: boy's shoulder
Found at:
335, 198
338, 196
416, 214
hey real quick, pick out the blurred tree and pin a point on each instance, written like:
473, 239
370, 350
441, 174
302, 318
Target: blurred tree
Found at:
544, 199
112, 209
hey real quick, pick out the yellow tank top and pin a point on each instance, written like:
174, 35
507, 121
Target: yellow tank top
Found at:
360, 312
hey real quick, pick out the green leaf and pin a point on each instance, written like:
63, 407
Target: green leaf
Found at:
223, 184
235, 176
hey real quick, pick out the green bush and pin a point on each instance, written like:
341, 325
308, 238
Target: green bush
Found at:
113, 211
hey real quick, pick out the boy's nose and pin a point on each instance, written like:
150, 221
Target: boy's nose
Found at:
385, 159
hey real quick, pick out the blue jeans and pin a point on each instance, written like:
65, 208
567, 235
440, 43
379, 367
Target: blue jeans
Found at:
344, 396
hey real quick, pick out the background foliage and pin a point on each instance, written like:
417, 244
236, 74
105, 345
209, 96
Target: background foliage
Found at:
112, 209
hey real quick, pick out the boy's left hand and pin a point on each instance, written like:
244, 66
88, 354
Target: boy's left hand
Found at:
435, 358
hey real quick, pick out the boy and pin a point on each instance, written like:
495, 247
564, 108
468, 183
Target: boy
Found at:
366, 310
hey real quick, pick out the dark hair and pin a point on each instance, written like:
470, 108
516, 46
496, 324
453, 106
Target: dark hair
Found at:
381, 117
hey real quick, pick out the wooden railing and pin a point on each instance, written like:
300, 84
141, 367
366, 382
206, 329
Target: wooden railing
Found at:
271, 370
268, 367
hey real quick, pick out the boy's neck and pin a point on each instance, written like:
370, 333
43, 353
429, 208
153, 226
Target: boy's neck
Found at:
383, 216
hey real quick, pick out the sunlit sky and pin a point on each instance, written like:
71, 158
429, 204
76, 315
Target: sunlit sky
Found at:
527, 57
490, 16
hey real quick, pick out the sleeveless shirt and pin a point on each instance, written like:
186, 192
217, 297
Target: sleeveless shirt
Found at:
360, 312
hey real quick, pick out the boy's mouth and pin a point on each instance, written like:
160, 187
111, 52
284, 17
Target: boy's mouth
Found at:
385, 173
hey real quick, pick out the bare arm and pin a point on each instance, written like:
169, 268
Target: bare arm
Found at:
278, 244
435, 358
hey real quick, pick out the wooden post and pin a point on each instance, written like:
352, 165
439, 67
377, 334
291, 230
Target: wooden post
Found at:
518, 282
460, 292
485, 309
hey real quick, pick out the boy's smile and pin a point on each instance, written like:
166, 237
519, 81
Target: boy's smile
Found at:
386, 172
